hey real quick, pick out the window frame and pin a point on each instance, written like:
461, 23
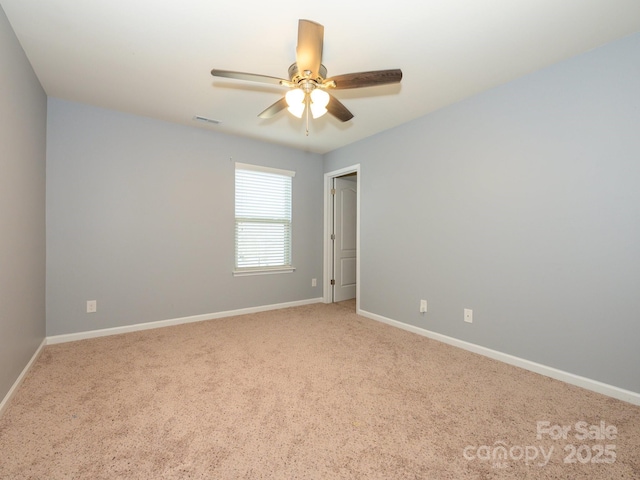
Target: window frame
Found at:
262, 270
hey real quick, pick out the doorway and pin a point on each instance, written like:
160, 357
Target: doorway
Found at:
342, 235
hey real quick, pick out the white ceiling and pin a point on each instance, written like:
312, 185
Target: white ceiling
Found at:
153, 58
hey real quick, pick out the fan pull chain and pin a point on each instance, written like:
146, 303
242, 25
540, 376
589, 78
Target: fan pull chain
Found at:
306, 100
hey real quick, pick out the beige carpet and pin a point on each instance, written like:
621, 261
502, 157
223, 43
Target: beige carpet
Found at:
306, 392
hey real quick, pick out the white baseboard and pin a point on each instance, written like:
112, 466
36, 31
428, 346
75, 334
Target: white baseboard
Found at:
16, 384
72, 337
143, 326
593, 385
587, 383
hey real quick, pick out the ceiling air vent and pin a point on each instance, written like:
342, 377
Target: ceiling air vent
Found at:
207, 120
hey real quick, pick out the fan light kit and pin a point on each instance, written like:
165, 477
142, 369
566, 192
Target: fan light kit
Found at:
308, 82
297, 99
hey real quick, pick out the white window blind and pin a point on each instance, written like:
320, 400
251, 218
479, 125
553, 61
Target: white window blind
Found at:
263, 219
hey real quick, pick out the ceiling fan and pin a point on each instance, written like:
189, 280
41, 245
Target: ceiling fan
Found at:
308, 83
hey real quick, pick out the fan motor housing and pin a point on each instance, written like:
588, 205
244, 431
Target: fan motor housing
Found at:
296, 76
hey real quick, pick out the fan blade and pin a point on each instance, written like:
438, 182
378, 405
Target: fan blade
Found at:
309, 49
249, 77
273, 109
338, 110
366, 79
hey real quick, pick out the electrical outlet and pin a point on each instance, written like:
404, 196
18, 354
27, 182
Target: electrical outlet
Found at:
423, 306
468, 315
92, 306
314, 282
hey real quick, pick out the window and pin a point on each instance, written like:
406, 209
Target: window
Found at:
263, 220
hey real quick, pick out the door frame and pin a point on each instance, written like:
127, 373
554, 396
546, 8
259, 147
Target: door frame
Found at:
328, 227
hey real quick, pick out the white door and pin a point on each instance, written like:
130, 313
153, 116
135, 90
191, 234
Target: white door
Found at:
345, 205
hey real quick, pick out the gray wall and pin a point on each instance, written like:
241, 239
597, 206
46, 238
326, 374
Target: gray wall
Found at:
140, 217
522, 203
23, 113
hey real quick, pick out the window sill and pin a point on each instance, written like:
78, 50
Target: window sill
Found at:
262, 271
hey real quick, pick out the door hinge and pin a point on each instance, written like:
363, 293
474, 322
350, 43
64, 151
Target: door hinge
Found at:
333, 191
333, 282
333, 236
